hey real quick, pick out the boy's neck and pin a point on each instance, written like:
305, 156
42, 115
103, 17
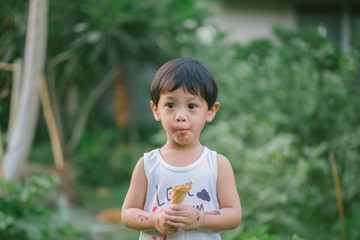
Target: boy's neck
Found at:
181, 156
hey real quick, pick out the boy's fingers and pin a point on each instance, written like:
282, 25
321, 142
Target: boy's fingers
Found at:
171, 211
173, 224
175, 207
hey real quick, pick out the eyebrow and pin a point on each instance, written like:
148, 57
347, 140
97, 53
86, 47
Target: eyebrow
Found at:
189, 98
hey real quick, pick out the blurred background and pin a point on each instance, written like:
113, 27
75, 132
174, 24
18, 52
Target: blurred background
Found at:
75, 115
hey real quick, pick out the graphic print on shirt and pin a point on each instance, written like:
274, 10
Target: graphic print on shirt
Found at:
158, 235
204, 195
163, 197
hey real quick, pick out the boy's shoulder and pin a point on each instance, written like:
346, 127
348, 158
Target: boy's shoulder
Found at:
151, 151
219, 156
223, 163
151, 154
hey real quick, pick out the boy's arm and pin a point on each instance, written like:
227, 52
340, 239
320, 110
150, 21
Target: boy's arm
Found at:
229, 214
133, 215
227, 217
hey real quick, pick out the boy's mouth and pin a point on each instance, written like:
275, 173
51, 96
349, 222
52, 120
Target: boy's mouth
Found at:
182, 131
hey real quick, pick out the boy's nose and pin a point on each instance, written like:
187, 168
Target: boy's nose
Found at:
180, 116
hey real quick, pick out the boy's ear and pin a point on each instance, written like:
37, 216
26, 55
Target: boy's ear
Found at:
155, 111
212, 111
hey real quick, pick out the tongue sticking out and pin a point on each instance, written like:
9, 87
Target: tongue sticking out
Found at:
182, 131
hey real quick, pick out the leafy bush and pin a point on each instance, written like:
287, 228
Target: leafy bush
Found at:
285, 105
25, 213
261, 233
105, 157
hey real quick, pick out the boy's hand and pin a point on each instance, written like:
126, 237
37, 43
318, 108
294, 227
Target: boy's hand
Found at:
162, 225
183, 216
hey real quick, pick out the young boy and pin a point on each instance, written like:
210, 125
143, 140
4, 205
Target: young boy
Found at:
183, 98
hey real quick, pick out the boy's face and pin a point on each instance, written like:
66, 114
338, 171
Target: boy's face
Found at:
183, 116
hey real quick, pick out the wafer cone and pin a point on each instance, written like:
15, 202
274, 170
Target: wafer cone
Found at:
178, 193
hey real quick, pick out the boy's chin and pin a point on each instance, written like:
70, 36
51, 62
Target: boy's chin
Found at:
185, 142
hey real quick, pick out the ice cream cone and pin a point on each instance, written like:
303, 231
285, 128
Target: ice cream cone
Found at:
178, 193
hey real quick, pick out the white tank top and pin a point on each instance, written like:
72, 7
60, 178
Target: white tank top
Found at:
203, 195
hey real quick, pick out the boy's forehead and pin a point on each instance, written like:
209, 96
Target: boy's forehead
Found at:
181, 94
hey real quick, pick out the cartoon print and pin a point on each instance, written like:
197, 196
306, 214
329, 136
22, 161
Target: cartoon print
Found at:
158, 235
203, 195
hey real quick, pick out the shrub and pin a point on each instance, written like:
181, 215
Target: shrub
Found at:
26, 214
285, 106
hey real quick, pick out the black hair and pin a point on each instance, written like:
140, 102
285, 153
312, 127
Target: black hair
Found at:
189, 73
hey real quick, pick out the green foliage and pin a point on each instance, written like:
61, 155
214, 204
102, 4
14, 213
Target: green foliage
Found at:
117, 32
88, 38
285, 106
12, 29
257, 234
25, 213
261, 233
105, 157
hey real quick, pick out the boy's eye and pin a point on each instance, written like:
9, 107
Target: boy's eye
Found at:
170, 105
192, 106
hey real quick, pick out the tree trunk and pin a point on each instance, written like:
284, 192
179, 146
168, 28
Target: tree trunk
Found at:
23, 129
15, 93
